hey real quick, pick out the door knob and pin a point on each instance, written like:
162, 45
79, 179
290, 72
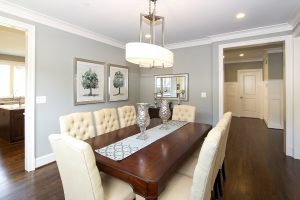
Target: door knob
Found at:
241, 97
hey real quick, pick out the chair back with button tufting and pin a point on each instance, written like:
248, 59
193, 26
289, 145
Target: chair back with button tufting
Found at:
184, 113
106, 120
127, 116
78, 125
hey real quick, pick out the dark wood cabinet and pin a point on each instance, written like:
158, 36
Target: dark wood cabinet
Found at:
12, 124
154, 112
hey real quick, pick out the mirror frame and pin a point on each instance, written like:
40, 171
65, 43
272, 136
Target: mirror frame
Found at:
186, 75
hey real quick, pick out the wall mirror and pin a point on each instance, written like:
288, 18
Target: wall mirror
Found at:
172, 87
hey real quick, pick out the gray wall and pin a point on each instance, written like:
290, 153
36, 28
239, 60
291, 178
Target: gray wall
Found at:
230, 70
196, 61
55, 52
275, 69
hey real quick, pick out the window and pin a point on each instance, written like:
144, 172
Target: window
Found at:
4, 80
12, 80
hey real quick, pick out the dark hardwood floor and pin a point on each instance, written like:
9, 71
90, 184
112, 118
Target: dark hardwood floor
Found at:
255, 165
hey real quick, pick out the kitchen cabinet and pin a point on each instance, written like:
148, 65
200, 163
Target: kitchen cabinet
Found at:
12, 123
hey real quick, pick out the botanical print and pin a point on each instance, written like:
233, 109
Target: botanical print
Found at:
89, 82
118, 83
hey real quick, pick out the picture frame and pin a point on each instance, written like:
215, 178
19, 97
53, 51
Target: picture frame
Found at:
89, 81
118, 82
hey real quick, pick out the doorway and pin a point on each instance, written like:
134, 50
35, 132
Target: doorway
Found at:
29, 115
286, 84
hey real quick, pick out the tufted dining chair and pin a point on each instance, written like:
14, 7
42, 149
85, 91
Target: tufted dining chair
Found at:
127, 116
78, 125
184, 113
197, 187
79, 173
106, 120
224, 123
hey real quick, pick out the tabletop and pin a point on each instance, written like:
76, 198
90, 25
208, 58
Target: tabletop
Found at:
149, 169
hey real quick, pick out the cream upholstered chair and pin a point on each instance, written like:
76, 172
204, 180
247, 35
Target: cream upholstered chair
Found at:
188, 167
224, 123
198, 187
106, 120
79, 173
127, 116
184, 113
78, 125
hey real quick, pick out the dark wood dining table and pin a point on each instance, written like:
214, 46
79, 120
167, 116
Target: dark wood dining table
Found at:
149, 169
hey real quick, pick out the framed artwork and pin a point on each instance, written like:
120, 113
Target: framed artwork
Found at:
118, 82
89, 81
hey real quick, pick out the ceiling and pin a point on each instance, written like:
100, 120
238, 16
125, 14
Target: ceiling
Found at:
250, 53
12, 41
185, 20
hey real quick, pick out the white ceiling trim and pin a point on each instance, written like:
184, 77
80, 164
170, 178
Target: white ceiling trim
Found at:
28, 14
244, 61
233, 35
190, 43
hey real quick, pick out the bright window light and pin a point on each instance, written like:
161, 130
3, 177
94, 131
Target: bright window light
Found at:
4, 80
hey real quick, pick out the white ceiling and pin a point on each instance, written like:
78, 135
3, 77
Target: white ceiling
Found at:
185, 20
12, 41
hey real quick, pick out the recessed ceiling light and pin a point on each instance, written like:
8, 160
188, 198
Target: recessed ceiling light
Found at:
240, 15
241, 54
148, 36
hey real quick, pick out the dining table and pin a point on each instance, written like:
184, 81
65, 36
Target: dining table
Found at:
149, 169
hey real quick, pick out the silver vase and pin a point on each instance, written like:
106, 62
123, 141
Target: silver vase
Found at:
142, 119
164, 113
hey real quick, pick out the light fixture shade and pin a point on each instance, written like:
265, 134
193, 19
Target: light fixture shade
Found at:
148, 55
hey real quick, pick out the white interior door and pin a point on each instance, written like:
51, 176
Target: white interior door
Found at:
249, 89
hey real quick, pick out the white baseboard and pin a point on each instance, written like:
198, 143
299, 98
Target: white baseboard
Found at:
44, 160
289, 151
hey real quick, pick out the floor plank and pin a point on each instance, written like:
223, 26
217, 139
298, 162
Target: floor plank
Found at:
255, 165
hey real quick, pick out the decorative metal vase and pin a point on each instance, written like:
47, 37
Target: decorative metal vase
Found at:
164, 113
142, 119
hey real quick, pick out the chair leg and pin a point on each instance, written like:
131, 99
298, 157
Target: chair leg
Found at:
223, 171
219, 183
216, 192
212, 197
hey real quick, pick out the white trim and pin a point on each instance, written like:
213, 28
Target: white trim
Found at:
30, 89
28, 14
233, 35
244, 61
44, 160
289, 146
275, 50
252, 32
190, 43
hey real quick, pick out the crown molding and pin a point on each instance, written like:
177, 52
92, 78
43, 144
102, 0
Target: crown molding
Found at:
244, 61
31, 15
233, 35
190, 43
277, 28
